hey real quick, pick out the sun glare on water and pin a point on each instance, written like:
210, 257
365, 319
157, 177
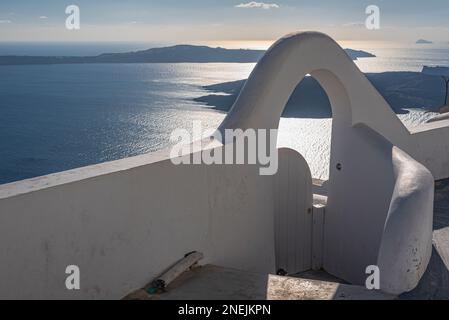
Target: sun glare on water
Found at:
240, 44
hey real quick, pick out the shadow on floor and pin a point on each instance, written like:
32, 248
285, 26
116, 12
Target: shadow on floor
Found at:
441, 205
435, 283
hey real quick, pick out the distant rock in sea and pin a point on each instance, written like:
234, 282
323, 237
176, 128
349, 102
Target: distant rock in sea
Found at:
174, 54
436, 71
423, 41
355, 54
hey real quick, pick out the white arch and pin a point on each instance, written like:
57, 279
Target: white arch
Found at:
287, 62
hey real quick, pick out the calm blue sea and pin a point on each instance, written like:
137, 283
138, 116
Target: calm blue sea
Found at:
55, 118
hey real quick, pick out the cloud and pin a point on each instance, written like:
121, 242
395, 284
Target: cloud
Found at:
5, 21
258, 5
43, 17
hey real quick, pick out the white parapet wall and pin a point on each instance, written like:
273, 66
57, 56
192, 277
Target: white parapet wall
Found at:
123, 223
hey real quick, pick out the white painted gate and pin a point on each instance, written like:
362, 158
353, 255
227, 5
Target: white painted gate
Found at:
293, 213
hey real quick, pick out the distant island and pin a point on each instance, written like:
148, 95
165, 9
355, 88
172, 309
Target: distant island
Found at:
174, 54
402, 90
423, 41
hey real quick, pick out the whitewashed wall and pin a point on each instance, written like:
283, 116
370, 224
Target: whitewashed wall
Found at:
127, 222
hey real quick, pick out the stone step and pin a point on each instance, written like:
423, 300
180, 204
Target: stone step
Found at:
217, 283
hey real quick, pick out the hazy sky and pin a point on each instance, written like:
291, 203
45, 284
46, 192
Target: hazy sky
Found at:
206, 20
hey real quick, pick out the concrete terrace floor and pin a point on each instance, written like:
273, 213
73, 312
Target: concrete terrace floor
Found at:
216, 283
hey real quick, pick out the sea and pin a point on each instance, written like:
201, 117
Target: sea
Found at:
59, 117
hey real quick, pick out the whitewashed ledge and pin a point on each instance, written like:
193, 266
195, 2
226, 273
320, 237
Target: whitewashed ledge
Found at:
94, 171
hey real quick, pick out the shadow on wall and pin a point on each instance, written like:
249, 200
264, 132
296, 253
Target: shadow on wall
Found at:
402, 90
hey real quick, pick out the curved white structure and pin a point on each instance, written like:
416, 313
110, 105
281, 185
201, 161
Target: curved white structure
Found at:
124, 222
406, 246
362, 194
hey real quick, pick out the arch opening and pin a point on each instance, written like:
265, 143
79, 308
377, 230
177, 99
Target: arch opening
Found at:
306, 126
314, 120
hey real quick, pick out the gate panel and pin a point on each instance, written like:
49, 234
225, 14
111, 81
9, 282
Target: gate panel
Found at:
293, 213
